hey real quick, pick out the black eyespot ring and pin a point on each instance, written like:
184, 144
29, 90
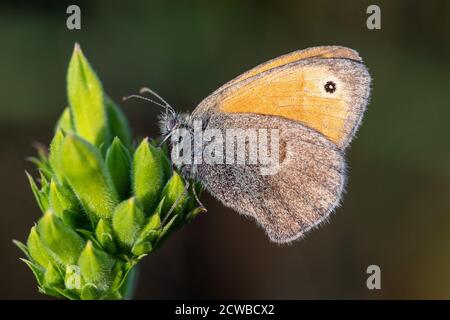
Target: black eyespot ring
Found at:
330, 87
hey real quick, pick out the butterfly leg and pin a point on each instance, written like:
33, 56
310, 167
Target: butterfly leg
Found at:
194, 192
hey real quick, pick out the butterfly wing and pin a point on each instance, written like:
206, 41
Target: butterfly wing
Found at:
325, 89
304, 190
316, 98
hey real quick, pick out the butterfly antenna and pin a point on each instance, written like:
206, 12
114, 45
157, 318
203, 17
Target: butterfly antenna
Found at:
149, 100
148, 90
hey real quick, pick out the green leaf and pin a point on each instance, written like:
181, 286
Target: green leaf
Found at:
40, 195
38, 271
104, 235
96, 267
86, 173
64, 122
174, 192
85, 95
118, 123
128, 220
148, 175
64, 244
118, 162
22, 248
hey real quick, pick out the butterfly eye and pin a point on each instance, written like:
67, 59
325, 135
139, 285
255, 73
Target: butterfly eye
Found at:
330, 87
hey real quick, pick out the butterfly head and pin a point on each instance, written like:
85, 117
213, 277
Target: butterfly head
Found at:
171, 121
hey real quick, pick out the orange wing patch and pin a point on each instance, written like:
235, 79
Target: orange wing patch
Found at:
297, 94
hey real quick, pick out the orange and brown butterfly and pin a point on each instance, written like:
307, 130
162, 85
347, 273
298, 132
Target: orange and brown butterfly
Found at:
316, 99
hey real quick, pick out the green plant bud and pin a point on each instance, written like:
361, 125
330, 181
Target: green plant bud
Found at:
128, 220
65, 205
41, 195
63, 243
85, 95
55, 155
118, 123
64, 122
174, 192
86, 173
148, 175
141, 247
104, 235
118, 162
37, 250
96, 267
154, 221
52, 277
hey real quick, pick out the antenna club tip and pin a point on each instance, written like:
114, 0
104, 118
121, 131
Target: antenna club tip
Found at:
144, 90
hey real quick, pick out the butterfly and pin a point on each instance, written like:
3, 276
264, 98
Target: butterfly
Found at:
314, 99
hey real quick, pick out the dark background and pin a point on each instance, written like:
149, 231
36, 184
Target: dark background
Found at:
396, 213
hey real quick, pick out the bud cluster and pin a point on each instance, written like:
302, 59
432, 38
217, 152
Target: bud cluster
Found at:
106, 203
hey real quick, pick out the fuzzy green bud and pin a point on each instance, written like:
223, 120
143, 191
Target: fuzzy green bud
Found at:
85, 95
104, 235
128, 220
174, 193
65, 205
96, 267
86, 173
52, 277
36, 249
63, 243
64, 122
118, 162
148, 175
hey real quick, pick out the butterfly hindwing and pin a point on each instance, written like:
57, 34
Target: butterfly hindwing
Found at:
305, 189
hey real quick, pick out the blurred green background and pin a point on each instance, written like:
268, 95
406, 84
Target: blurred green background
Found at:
396, 212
